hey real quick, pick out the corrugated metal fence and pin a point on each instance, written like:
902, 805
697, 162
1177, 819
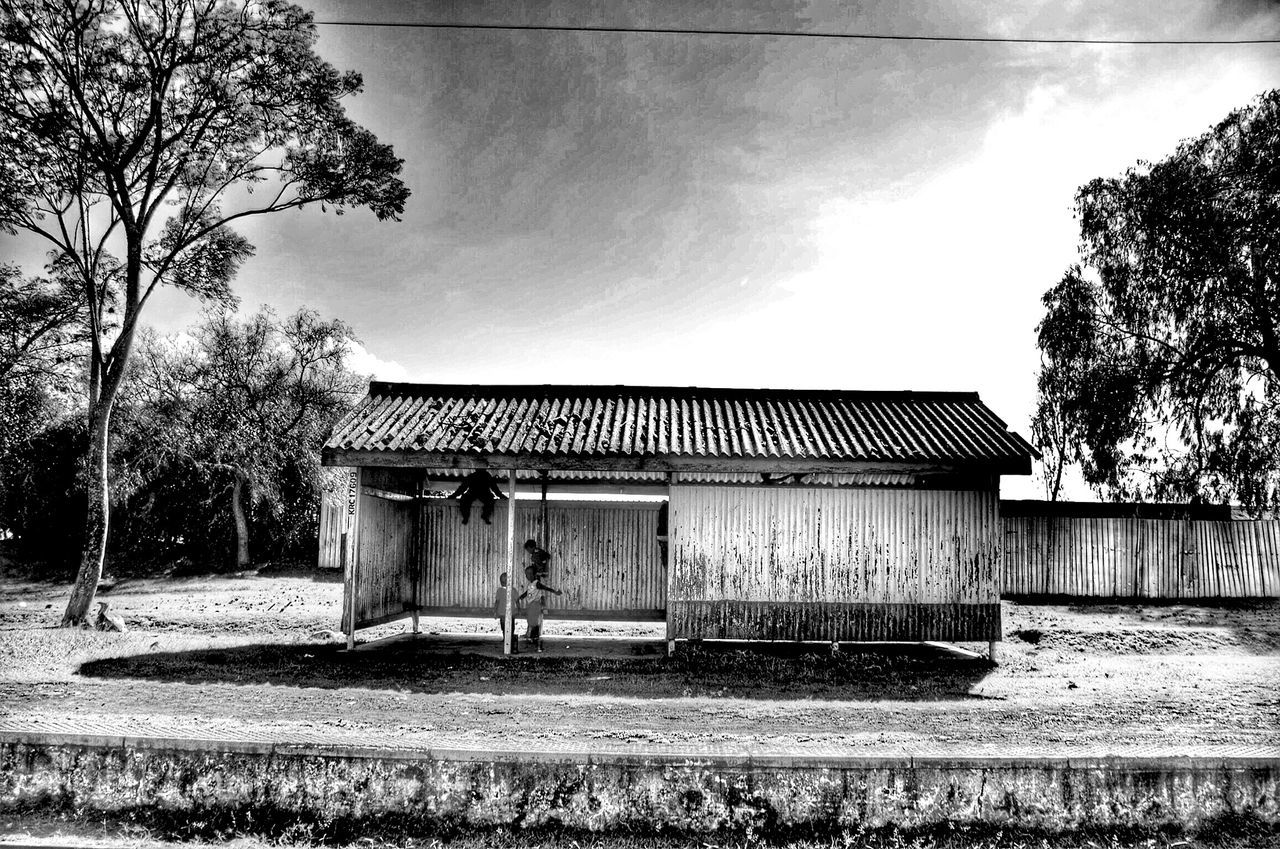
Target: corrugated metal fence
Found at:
1138, 557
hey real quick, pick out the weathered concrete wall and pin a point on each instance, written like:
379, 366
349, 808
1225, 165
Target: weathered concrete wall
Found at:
639, 792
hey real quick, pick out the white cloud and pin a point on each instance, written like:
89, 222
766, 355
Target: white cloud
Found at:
937, 285
361, 361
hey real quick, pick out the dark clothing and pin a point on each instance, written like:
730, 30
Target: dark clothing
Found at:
477, 486
500, 613
486, 508
539, 565
515, 638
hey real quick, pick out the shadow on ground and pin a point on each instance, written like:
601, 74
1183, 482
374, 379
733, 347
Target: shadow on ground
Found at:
730, 670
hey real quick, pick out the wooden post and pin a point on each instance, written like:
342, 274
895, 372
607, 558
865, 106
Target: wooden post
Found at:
544, 474
351, 553
671, 625
415, 550
509, 635
991, 651
348, 624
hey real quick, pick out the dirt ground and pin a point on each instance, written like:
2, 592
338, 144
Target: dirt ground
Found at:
225, 657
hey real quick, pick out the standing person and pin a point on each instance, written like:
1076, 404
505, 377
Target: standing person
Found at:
478, 486
537, 567
500, 612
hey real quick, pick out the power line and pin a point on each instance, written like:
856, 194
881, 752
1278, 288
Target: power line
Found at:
863, 36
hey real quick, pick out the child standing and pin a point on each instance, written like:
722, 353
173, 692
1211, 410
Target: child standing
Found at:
537, 567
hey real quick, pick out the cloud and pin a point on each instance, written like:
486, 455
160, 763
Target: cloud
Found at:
361, 361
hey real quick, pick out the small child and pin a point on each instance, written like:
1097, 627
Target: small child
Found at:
533, 612
500, 612
537, 568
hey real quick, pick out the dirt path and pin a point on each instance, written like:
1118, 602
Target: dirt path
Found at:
221, 657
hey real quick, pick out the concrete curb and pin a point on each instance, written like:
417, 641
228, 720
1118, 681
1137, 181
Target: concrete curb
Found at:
695, 791
1205, 756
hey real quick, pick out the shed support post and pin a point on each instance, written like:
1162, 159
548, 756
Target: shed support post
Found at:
509, 617
415, 550
991, 650
351, 553
664, 546
348, 623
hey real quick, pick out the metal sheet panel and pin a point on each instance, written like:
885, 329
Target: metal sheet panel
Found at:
835, 554
1140, 558
605, 555
382, 579
333, 504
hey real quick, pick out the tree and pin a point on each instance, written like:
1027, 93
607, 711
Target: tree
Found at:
1160, 352
42, 333
135, 132
233, 413
41, 328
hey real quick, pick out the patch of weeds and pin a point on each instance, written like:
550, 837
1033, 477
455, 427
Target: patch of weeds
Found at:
262, 829
1233, 830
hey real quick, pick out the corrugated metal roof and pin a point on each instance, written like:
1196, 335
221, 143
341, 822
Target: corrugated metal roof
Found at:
584, 475
451, 423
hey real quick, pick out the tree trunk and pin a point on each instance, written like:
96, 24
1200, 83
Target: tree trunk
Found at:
106, 381
96, 515
241, 522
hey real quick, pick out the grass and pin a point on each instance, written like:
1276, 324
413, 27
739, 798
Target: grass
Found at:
151, 828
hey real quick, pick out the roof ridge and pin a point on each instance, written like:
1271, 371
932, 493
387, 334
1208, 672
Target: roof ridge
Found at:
383, 387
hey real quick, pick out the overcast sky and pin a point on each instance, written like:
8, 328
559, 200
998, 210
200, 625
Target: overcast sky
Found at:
737, 211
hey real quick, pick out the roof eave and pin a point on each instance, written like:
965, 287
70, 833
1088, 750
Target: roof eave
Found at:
333, 456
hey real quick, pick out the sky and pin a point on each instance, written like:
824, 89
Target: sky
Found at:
736, 211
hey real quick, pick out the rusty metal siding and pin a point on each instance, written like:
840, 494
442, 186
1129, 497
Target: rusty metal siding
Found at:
798, 563
1141, 558
332, 519
605, 555
383, 581
646, 422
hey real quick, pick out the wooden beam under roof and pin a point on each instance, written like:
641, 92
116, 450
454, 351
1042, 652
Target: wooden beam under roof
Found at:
406, 458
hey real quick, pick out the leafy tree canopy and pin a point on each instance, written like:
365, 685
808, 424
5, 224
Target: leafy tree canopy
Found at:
41, 328
135, 132
232, 415
1160, 351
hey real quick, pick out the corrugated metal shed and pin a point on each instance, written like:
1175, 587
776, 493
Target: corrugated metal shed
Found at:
676, 428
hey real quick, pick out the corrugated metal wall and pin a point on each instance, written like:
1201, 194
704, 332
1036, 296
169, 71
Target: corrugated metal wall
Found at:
605, 556
383, 578
850, 564
1142, 558
332, 510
